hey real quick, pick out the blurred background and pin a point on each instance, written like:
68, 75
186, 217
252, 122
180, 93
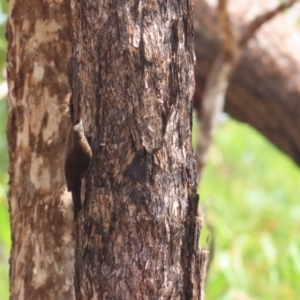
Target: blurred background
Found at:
250, 196
5, 241
250, 199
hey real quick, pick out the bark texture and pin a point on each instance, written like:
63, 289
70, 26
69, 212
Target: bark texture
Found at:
42, 255
264, 90
133, 83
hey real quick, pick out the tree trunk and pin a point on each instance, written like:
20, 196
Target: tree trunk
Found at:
133, 64
41, 262
132, 84
265, 89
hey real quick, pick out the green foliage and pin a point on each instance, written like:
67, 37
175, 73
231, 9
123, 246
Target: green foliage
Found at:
250, 195
5, 241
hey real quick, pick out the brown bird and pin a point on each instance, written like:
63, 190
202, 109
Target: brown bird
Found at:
78, 160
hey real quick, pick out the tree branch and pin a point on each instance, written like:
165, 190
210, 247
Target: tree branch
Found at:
220, 74
262, 19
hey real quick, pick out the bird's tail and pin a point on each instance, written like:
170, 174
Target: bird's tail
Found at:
76, 195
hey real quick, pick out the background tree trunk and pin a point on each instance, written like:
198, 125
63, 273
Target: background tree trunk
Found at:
133, 83
42, 259
264, 90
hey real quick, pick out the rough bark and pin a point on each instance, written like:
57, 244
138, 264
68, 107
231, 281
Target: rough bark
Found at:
133, 83
264, 90
42, 259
